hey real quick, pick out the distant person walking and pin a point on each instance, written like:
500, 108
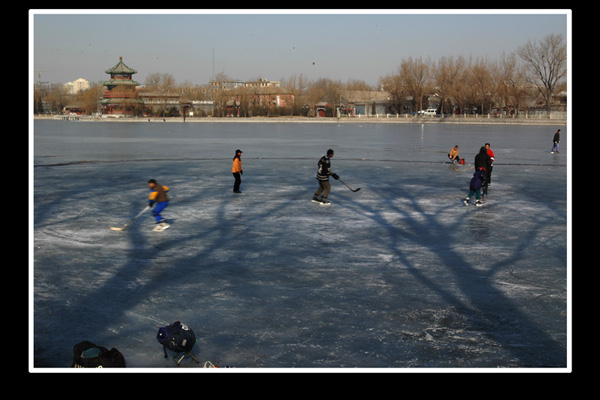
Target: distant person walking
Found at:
555, 142
237, 171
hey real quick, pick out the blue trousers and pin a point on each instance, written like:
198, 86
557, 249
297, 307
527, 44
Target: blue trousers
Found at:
555, 147
158, 208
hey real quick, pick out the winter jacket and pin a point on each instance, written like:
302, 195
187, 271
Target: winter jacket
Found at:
483, 160
556, 138
324, 169
158, 194
453, 153
491, 154
237, 165
477, 180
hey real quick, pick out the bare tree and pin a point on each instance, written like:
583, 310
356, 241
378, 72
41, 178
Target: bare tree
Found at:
509, 80
355, 84
57, 97
547, 63
459, 85
158, 81
89, 98
297, 85
414, 77
393, 85
323, 90
481, 79
444, 73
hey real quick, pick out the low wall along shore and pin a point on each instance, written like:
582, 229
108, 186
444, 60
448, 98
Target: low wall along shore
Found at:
391, 118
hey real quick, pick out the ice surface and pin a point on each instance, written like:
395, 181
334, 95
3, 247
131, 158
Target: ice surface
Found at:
398, 275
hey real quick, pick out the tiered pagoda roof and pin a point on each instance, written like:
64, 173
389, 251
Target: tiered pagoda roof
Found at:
120, 74
120, 94
120, 68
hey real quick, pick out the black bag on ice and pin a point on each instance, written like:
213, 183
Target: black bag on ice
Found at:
176, 337
87, 355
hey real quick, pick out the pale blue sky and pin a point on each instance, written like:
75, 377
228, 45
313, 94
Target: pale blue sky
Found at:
364, 45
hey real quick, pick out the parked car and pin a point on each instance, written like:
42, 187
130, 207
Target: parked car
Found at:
430, 111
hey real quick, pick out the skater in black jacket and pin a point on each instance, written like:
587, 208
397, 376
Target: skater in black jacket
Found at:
555, 142
323, 174
483, 162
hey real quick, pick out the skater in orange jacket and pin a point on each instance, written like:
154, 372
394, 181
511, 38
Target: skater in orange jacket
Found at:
158, 196
237, 171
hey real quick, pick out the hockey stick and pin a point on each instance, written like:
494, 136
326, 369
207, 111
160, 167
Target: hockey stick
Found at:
354, 190
132, 219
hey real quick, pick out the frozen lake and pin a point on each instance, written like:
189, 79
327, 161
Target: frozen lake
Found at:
397, 275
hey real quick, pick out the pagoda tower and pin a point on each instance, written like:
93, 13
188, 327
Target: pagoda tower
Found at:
120, 97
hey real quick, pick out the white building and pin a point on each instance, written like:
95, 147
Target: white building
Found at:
77, 85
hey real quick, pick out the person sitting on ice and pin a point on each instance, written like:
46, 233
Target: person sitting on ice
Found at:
453, 155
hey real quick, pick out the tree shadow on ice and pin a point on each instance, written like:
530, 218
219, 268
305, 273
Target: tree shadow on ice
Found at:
181, 274
207, 270
449, 259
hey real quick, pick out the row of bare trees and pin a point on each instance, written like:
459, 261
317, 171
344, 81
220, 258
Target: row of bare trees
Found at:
529, 77
58, 97
534, 73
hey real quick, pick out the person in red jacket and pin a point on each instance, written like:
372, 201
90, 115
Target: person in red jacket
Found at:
489, 173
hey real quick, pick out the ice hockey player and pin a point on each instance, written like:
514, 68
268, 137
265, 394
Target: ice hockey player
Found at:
323, 174
475, 187
158, 196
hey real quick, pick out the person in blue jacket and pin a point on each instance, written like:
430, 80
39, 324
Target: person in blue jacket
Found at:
475, 187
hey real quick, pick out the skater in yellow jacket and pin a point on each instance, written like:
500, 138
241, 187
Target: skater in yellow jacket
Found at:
158, 196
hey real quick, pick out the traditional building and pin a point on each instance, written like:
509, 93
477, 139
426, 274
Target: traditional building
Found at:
120, 97
367, 103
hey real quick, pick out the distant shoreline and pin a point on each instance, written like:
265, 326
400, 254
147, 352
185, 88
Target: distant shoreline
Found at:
460, 120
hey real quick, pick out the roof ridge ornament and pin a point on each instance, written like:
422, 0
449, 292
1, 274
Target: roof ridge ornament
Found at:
121, 68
